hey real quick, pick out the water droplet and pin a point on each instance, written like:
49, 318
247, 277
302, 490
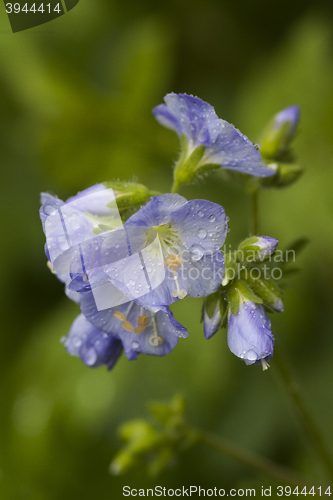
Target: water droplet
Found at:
200, 213
90, 357
202, 234
49, 209
212, 218
77, 342
251, 355
131, 282
197, 252
135, 345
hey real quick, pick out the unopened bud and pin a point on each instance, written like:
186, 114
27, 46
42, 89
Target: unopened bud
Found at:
256, 248
276, 138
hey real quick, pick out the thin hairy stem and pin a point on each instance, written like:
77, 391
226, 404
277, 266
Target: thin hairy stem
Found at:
255, 462
304, 416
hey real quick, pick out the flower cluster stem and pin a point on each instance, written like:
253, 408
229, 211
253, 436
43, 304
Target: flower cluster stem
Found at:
255, 216
304, 416
259, 464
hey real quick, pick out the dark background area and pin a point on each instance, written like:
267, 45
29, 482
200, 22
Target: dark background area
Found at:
76, 96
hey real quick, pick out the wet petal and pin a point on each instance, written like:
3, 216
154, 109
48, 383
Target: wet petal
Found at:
249, 334
191, 116
234, 151
203, 226
212, 325
94, 347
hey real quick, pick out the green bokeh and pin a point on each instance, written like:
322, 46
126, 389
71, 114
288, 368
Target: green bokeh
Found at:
76, 99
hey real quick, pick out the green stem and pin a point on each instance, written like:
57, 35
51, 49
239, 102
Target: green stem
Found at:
302, 412
260, 464
255, 217
289, 384
175, 187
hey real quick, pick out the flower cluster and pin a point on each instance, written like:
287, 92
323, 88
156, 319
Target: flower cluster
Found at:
103, 262
125, 255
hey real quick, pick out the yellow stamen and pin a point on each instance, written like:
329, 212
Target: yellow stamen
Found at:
142, 320
139, 329
119, 315
172, 261
127, 325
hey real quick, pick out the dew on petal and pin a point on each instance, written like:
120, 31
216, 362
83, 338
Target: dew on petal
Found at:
197, 252
251, 355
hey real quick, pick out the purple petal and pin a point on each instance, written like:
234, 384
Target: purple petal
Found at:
189, 115
160, 324
212, 325
291, 115
94, 347
249, 334
234, 151
203, 226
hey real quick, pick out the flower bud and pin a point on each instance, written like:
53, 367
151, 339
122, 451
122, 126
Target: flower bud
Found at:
214, 314
285, 175
276, 138
256, 248
128, 194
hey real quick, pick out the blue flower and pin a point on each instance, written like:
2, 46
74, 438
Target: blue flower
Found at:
68, 225
249, 334
224, 145
140, 330
181, 240
94, 347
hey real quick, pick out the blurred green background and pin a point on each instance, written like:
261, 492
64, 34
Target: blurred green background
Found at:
76, 97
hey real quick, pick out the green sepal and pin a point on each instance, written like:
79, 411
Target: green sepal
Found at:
127, 194
238, 293
189, 166
185, 170
248, 251
267, 290
211, 302
285, 175
224, 312
230, 268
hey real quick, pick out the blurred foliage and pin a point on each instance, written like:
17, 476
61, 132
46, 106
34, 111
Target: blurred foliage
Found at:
76, 98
